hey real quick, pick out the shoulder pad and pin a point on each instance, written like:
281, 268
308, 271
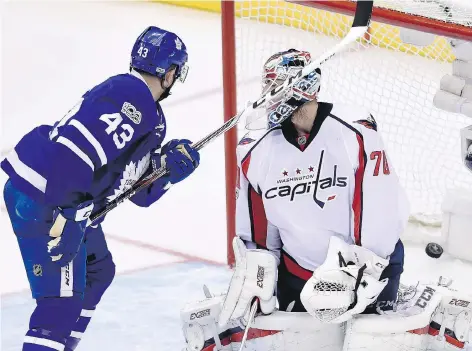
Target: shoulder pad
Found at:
249, 141
354, 116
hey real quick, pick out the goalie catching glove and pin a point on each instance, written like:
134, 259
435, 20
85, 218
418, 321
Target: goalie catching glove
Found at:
345, 284
255, 276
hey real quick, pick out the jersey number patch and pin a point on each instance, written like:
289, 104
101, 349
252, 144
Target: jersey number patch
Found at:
114, 121
380, 157
142, 51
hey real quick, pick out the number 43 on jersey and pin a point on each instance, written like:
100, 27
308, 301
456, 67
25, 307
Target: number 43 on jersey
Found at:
122, 133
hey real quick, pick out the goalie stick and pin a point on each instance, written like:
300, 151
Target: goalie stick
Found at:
357, 31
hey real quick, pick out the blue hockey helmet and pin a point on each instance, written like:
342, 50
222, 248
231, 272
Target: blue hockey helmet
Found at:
156, 51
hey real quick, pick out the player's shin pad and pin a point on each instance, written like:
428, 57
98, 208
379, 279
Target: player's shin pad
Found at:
434, 319
345, 284
281, 331
254, 276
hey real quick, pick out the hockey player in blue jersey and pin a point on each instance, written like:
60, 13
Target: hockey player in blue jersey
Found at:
59, 175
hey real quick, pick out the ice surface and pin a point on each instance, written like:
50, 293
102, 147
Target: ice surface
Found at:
140, 311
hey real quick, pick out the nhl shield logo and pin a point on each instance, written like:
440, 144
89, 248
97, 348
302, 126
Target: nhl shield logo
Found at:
301, 140
37, 270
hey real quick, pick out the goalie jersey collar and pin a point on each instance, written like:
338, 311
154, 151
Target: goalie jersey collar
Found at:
302, 142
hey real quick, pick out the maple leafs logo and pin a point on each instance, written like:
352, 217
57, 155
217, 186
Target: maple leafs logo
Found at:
131, 174
178, 44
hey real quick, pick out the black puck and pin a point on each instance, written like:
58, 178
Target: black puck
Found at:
434, 250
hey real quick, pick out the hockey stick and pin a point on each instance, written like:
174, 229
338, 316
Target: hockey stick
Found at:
252, 314
357, 31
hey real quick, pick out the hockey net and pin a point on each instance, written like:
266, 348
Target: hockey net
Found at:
394, 80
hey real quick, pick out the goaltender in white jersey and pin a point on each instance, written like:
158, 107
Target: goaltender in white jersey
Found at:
321, 171
296, 190
319, 215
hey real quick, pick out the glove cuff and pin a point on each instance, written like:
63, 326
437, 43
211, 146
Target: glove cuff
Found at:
78, 214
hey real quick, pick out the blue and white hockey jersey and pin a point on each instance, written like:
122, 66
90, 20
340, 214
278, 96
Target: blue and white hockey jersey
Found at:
97, 151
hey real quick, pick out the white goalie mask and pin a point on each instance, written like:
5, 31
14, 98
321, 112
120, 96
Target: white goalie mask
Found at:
277, 69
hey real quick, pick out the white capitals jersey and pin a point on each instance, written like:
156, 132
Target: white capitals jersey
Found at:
295, 192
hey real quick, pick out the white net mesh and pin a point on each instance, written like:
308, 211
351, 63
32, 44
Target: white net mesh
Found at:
396, 81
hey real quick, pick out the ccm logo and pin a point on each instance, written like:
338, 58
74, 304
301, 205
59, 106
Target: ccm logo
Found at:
200, 314
425, 297
461, 303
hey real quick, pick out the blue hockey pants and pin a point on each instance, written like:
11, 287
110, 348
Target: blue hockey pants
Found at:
67, 296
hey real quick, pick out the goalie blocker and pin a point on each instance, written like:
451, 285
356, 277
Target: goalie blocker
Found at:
431, 318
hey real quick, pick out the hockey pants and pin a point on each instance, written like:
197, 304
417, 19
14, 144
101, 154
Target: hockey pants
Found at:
66, 297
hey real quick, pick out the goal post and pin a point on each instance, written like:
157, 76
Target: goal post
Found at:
395, 80
229, 110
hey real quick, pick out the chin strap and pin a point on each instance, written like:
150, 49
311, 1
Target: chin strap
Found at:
166, 92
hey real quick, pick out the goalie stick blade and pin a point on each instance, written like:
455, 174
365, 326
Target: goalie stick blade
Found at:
359, 27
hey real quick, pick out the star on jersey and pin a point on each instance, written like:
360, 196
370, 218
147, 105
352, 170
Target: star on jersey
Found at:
131, 174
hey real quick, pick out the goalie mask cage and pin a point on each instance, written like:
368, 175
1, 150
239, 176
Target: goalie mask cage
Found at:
394, 80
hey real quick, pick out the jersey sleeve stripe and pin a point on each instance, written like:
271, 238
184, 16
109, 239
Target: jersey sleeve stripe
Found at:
26, 172
91, 139
51, 344
66, 118
357, 201
245, 165
258, 218
357, 198
69, 144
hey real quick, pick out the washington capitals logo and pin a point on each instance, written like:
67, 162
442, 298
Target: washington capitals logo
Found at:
246, 140
369, 123
307, 183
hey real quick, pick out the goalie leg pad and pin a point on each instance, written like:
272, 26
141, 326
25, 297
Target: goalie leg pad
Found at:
451, 322
435, 319
281, 331
403, 330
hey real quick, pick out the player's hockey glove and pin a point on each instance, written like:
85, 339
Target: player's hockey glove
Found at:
67, 232
345, 284
180, 159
